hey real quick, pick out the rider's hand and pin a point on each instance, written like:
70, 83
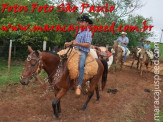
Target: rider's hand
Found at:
67, 44
75, 43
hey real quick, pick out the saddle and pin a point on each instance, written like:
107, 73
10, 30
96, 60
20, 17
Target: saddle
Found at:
123, 49
104, 53
149, 53
90, 68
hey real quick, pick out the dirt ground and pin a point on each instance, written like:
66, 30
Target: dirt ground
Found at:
130, 104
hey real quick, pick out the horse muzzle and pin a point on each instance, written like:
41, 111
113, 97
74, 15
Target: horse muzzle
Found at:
24, 81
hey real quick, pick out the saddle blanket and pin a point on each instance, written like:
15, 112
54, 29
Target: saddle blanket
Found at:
90, 68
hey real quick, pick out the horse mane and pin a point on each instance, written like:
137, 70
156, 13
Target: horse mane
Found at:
51, 52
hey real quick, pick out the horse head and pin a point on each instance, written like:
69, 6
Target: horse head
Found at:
32, 66
115, 45
142, 53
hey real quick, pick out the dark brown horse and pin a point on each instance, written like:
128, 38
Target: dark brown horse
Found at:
51, 63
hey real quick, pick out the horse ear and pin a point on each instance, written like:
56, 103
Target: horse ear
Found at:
37, 53
30, 49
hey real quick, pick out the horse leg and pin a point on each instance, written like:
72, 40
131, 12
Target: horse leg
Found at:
97, 93
132, 64
87, 101
93, 86
59, 107
138, 64
121, 63
43, 84
55, 102
141, 72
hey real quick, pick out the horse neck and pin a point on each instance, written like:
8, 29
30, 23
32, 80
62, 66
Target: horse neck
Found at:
50, 62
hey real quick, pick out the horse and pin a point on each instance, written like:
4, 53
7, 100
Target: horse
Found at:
134, 51
143, 59
103, 53
55, 66
117, 55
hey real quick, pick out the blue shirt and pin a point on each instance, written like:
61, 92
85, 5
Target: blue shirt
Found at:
141, 44
147, 46
125, 39
84, 37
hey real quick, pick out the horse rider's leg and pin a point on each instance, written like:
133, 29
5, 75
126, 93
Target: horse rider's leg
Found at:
56, 100
81, 66
97, 93
124, 58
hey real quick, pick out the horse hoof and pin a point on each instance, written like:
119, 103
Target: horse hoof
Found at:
59, 111
56, 115
84, 107
98, 99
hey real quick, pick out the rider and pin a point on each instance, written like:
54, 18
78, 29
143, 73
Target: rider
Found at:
123, 41
82, 43
142, 43
147, 45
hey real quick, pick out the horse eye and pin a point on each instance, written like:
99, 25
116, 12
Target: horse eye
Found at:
32, 64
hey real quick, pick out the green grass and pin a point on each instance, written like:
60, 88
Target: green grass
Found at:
160, 49
13, 76
15, 72
161, 116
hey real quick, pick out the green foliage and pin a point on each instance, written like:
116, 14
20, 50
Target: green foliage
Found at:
24, 38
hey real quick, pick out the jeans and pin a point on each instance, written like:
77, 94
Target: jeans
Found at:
83, 57
124, 58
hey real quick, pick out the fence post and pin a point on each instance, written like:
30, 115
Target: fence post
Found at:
9, 56
44, 45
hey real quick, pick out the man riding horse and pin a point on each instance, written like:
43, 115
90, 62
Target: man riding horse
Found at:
82, 43
123, 41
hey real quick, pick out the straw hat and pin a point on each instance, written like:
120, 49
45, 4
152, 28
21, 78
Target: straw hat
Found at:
148, 41
123, 33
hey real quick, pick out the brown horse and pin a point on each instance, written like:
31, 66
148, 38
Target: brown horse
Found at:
117, 55
51, 63
143, 59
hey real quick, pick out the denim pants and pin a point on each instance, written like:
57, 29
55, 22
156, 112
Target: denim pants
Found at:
124, 58
83, 57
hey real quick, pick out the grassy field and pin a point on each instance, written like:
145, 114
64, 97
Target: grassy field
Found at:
13, 76
15, 72
160, 48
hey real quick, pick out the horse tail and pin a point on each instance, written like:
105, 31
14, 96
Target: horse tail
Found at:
105, 73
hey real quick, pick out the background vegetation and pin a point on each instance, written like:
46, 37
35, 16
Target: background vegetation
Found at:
122, 15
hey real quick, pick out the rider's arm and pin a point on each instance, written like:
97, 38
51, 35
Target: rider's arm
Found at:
86, 41
86, 45
126, 41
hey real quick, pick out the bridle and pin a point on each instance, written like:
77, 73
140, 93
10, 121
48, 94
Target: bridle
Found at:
36, 67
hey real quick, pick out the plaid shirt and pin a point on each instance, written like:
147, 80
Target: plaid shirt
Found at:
125, 39
84, 37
